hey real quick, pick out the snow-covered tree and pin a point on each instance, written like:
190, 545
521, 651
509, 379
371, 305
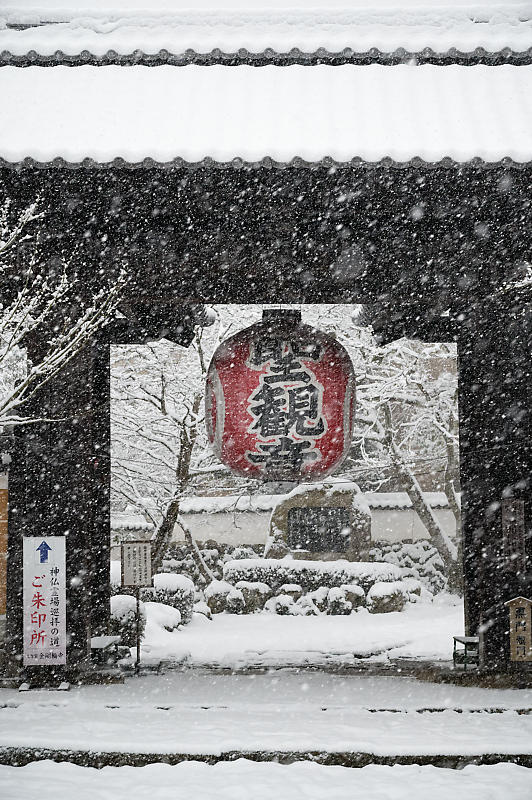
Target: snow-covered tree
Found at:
42, 305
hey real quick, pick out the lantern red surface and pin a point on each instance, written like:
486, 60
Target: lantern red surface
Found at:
280, 400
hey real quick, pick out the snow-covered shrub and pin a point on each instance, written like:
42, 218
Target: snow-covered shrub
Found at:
293, 589
319, 597
337, 602
164, 616
123, 621
173, 590
419, 560
414, 589
383, 598
354, 594
216, 594
178, 558
255, 595
306, 607
234, 602
282, 605
239, 553
310, 575
202, 608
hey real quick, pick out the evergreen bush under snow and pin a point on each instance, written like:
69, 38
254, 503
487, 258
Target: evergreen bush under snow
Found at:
123, 620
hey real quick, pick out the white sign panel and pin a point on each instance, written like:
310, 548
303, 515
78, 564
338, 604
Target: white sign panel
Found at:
136, 564
44, 600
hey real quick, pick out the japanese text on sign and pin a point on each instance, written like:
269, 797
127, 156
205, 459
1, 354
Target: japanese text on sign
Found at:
136, 564
44, 601
520, 610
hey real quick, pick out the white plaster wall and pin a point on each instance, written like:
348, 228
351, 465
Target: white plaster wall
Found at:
235, 528
241, 528
398, 524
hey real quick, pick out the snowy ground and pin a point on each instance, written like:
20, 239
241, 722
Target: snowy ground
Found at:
199, 713
245, 779
285, 714
422, 631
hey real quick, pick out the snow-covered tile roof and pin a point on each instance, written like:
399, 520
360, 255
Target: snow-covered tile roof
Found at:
226, 113
247, 30
127, 520
267, 502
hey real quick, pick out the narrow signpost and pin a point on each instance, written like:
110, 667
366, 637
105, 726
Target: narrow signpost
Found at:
136, 574
44, 601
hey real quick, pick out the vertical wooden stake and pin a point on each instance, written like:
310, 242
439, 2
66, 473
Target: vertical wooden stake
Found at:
137, 665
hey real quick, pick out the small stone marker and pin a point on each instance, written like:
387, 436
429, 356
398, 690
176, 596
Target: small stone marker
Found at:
136, 564
520, 610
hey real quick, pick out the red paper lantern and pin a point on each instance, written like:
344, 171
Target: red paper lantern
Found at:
280, 400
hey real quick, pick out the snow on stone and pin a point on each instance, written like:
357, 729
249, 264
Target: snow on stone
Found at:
262, 781
229, 25
345, 112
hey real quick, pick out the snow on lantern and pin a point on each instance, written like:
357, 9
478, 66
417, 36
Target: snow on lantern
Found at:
280, 400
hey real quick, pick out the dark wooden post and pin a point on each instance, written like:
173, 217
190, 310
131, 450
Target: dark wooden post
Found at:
495, 368
60, 487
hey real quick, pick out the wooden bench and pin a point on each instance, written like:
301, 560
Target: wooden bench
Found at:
104, 648
468, 654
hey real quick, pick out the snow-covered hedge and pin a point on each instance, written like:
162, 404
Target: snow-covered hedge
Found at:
310, 575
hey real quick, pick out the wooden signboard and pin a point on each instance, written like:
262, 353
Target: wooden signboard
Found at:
520, 610
136, 564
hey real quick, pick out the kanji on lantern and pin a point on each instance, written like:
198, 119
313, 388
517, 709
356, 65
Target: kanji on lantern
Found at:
280, 400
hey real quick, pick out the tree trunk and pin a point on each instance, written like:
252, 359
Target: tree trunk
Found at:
439, 538
166, 528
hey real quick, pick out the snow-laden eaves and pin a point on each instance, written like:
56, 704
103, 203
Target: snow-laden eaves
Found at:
358, 31
244, 115
267, 502
124, 520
